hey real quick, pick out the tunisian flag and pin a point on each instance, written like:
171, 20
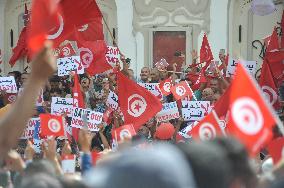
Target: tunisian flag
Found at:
275, 61
181, 90
137, 104
51, 125
273, 44
268, 85
205, 51
207, 129
250, 119
43, 18
165, 86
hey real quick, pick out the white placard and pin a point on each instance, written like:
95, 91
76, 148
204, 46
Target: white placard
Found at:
195, 110
92, 119
30, 128
153, 88
68, 64
112, 100
112, 55
8, 84
168, 112
59, 106
250, 66
68, 164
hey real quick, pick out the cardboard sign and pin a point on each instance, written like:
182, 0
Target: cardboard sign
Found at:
59, 106
68, 64
250, 66
195, 110
30, 128
168, 112
8, 84
112, 100
92, 119
68, 164
153, 88
112, 55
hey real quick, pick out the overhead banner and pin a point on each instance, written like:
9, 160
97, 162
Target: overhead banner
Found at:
69, 64
195, 110
8, 84
91, 119
168, 112
59, 106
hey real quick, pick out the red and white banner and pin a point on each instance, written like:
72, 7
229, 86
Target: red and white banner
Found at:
51, 125
123, 132
112, 55
68, 164
181, 90
168, 112
165, 86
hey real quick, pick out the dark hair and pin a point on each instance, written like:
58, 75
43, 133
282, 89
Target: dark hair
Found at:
56, 90
39, 166
209, 165
54, 78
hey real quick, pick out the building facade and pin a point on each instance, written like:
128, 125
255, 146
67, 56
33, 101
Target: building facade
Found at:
146, 30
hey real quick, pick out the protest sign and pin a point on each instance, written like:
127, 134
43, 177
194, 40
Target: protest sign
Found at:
92, 119
195, 110
59, 106
68, 164
68, 64
8, 84
250, 66
168, 112
153, 88
112, 100
112, 55
30, 128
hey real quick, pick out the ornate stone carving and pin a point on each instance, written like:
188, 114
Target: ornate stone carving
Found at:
149, 13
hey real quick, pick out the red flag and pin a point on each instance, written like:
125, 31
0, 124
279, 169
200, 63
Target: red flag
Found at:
268, 85
273, 44
275, 61
201, 79
165, 86
123, 132
107, 114
250, 118
275, 149
43, 19
205, 51
282, 26
181, 90
93, 57
20, 50
51, 125
74, 14
137, 104
66, 51
207, 129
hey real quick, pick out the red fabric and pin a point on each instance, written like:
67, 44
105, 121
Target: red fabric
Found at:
74, 14
165, 131
273, 42
20, 50
137, 104
91, 31
201, 79
268, 85
51, 125
78, 102
207, 129
123, 132
43, 19
181, 90
107, 115
275, 149
282, 26
92, 55
66, 51
165, 86
275, 61
205, 51
250, 119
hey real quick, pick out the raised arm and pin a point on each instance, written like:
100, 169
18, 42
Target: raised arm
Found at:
14, 122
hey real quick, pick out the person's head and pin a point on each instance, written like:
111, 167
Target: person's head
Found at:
242, 172
55, 92
210, 167
24, 77
40, 166
144, 131
55, 82
207, 94
105, 84
155, 75
40, 180
85, 83
163, 74
145, 73
151, 167
214, 85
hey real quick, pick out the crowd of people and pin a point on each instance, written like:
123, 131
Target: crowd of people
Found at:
152, 158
